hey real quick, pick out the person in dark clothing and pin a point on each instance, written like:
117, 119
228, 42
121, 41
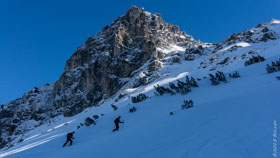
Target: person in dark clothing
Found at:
69, 138
117, 121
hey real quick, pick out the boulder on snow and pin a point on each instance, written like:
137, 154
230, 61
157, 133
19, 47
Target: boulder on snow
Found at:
89, 121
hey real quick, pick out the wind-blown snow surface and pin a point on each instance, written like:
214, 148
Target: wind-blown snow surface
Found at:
231, 120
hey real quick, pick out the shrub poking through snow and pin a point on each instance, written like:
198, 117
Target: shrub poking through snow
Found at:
114, 107
274, 67
176, 59
234, 75
89, 121
78, 127
171, 113
191, 82
219, 76
173, 87
160, 90
183, 87
133, 109
278, 77
187, 104
214, 80
95, 117
140, 97
254, 59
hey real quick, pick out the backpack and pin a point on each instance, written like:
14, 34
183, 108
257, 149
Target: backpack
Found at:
117, 120
69, 135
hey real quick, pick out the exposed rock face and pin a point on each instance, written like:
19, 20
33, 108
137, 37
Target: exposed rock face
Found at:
94, 71
26, 113
237, 42
261, 33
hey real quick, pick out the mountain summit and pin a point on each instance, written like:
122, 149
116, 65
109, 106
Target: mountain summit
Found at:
99, 68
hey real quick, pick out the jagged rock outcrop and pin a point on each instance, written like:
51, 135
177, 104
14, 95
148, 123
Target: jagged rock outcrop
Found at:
26, 113
261, 33
236, 45
96, 69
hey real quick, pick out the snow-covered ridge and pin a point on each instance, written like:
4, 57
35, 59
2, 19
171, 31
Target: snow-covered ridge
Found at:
242, 46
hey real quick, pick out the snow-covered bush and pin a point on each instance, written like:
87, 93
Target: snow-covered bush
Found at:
187, 104
274, 67
176, 59
219, 76
191, 82
183, 87
214, 80
234, 75
173, 86
160, 90
254, 59
140, 97
89, 121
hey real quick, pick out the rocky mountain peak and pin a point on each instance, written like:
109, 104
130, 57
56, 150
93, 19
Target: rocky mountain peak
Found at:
97, 69
135, 28
134, 14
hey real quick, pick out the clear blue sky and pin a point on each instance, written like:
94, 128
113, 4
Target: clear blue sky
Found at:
37, 37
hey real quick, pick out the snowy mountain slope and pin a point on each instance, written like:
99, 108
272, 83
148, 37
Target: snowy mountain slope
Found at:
238, 124
233, 119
